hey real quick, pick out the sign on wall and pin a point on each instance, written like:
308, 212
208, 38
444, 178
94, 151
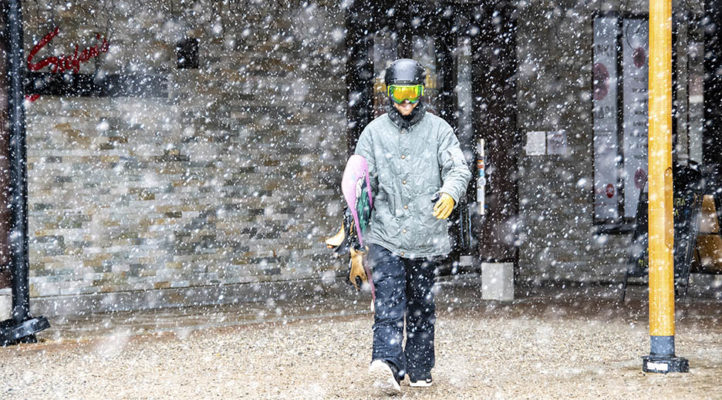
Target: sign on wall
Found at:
60, 75
606, 125
635, 43
553, 143
620, 116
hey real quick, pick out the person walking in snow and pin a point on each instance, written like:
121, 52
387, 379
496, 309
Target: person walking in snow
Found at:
418, 174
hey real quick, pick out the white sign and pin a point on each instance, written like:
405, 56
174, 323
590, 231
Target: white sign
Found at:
635, 67
557, 143
536, 143
605, 127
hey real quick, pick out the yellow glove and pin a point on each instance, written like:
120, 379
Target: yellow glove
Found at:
356, 273
444, 206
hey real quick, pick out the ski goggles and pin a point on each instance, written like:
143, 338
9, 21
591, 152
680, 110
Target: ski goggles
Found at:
401, 93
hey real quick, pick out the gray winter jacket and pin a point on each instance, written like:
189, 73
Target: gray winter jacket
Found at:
408, 168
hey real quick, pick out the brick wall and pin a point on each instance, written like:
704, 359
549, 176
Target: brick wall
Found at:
231, 178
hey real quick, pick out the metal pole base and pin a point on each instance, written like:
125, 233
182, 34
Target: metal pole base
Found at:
664, 364
13, 333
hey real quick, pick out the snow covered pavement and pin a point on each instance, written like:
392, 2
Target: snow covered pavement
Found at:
551, 344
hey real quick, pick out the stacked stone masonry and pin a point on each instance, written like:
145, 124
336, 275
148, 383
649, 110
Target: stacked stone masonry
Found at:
230, 178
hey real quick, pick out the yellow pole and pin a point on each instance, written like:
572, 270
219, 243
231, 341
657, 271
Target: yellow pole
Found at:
661, 218
661, 229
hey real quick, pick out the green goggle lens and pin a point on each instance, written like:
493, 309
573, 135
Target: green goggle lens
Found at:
401, 93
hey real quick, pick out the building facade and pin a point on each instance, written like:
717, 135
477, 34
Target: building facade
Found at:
190, 152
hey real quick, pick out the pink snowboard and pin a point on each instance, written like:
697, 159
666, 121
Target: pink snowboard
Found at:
354, 176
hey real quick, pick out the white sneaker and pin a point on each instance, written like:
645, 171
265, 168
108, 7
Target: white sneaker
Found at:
426, 382
383, 378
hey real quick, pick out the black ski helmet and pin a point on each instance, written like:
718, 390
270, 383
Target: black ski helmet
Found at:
405, 71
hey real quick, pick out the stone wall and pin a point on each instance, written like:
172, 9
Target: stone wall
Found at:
558, 237
556, 191
232, 178
222, 189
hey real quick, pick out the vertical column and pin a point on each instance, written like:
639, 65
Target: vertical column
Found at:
18, 187
359, 69
4, 157
445, 42
405, 11
712, 129
21, 327
661, 222
494, 120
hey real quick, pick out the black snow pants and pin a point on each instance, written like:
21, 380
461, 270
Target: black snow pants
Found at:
403, 289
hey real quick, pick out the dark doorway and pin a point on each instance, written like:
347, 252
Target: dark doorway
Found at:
469, 51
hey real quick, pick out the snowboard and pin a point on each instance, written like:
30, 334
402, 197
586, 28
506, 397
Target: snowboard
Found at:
356, 189
359, 199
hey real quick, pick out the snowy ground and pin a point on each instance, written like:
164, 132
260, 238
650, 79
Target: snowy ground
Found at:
555, 344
